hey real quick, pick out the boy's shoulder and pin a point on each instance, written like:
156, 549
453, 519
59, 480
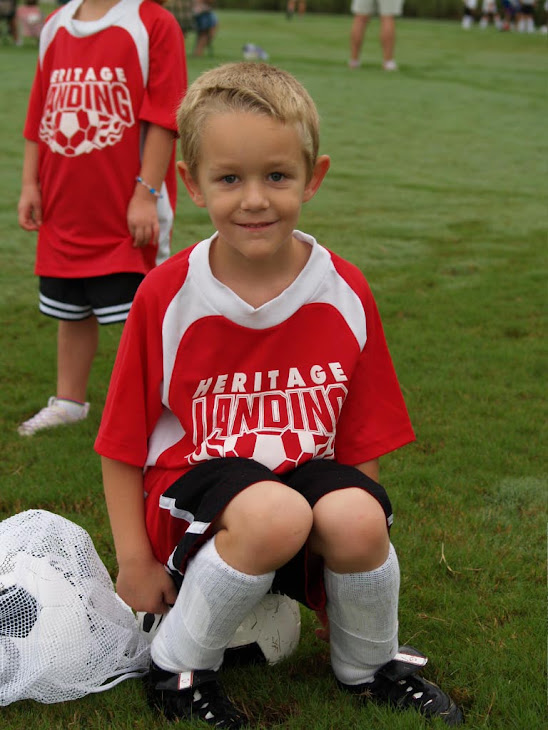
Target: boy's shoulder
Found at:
170, 274
351, 273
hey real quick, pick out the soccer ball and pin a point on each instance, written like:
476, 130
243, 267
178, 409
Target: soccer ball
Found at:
278, 452
63, 633
75, 132
270, 633
43, 627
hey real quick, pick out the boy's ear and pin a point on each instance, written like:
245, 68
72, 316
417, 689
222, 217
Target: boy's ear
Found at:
320, 171
191, 185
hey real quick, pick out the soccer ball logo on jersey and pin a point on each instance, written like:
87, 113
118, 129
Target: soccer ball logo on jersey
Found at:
280, 419
85, 110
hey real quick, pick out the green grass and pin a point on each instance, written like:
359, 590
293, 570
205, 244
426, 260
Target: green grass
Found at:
438, 191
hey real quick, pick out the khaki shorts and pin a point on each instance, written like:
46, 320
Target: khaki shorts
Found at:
383, 7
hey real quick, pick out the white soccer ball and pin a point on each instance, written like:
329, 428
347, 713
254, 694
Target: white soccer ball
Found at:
63, 634
75, 132
43, 626
270, 633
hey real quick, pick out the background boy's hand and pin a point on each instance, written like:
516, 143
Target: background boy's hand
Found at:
146, 586
142, 218
29, 209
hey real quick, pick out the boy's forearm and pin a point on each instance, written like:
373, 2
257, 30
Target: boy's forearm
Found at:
157, 152
30, 164
370, 469
123, 485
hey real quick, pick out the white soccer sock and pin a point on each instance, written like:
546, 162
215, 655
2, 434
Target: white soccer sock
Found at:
363, 620
72, 407
213, 601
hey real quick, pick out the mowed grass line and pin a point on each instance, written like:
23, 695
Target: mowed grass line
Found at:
438, 193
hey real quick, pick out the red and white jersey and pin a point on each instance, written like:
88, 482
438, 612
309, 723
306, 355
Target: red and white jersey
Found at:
201, 374
97, 86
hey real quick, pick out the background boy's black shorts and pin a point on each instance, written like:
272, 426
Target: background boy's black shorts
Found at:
107, 297
205, 491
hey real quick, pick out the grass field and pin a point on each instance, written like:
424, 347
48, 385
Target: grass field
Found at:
438, 191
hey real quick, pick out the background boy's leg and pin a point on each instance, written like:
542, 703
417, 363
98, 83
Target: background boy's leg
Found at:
76, 347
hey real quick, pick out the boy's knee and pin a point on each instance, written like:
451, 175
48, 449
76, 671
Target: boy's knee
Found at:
269, 522
350, 531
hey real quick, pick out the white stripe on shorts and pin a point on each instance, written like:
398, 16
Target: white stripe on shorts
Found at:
198, 528
59, 310
63, 306
180, 514
109, 315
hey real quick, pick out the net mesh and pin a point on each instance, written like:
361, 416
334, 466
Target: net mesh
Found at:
64, 632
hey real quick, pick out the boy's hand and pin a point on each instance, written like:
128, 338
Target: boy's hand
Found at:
146, 586
29, 209
142, 218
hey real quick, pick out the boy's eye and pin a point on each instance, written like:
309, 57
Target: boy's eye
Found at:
230, 179
276, 176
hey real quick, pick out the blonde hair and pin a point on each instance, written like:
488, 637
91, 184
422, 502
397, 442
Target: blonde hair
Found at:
247, 87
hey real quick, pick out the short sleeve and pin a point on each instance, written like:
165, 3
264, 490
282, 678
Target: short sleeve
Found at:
34, 111
374, 418
167, 77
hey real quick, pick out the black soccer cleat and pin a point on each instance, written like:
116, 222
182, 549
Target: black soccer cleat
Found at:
398, 685
194, 695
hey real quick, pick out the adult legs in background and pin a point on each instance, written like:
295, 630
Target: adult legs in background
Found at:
357, 33
388, 41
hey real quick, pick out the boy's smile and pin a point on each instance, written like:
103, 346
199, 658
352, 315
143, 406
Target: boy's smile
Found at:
252, 178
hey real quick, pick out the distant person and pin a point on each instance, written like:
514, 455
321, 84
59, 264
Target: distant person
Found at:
490, 14
182, 10
469, 14
362, 11
295, 5
30, 19
98, 174
8, 12
526, 21
511, 12
206, 26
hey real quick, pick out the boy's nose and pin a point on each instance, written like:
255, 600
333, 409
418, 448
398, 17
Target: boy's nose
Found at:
254, 197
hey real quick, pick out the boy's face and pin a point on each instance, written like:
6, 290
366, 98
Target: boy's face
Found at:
252, 179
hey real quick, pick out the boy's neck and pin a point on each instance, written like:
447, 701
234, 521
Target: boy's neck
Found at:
258, 284
91, 10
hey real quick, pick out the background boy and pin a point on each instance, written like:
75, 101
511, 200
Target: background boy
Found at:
254, 390
98, 173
